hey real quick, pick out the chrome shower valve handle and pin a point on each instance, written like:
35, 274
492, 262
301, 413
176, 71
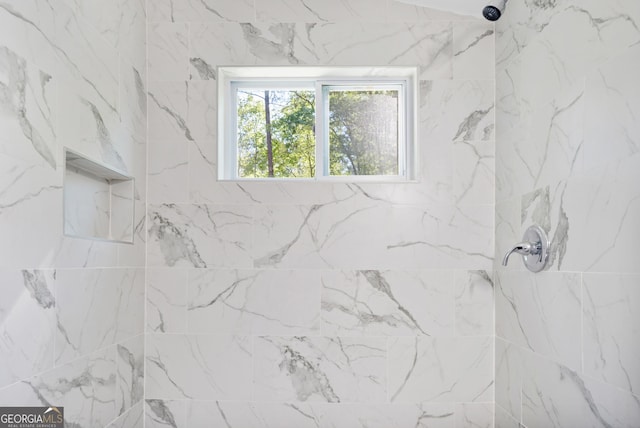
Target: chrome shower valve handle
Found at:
533, 248
524, 248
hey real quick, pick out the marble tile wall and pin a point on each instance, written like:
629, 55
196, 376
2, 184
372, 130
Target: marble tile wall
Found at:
319, 304
568, 159
72, 74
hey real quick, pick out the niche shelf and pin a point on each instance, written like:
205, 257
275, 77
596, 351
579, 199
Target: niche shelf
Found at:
98, 200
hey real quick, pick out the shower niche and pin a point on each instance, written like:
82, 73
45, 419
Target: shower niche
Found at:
98, 200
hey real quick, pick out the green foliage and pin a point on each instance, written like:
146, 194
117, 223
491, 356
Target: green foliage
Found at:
252, 149
363, 133
292, 133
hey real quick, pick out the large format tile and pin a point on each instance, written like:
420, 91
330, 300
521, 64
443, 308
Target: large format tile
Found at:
329, 415
504, 420
70, 76
204, 187
411, 238
611, 329
334, 43
474, 172
168, 173
85, 253
201, 11
346, 234
166, 299
29, 111
318, 236
473, 50
474, 297
27, 28
526, 22
168, 51
332, 415
256, 192
507, 232
198, 367
202, 114
85, 58
163, 413
458, 110
389, 303
31, 182
319, 369
612, 104
559, 58
134, 255
257, 302
251, 414
466, 232
28, 305
321, 11
541, 312
86, 388
474, 415
168, 108
544, 147
123, 25
512, 176
415, 11
93, 127
436, 415
508, 374
575, 400
199, 235
130, 372
133, 106
440, 369
133, 418
603, 208
97, 308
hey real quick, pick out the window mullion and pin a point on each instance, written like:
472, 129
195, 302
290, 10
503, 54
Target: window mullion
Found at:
402, 134
320, 132
231, 154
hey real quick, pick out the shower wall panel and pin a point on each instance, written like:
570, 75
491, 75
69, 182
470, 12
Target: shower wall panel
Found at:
568, 159
72, 74
300, 304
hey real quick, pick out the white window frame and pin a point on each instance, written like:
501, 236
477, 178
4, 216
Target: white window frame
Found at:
322, 80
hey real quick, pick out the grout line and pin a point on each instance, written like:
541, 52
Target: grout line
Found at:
146, 216
582, 324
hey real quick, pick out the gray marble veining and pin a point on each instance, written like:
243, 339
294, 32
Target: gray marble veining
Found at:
37, 284
321, 369
28, 300
387, 302
179, 121
130, 372
198, 367
68, 77
158, 413
176, 245
566, 159
418, 370
13, 97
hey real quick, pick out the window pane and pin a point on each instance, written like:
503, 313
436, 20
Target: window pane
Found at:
276, 133
363, 132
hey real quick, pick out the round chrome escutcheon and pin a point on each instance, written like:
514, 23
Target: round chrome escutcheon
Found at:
537, 236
